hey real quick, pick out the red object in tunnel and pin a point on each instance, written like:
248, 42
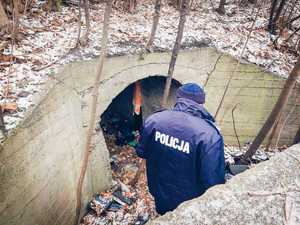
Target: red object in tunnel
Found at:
137, 98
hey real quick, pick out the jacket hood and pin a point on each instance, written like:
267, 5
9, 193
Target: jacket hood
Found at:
193, 108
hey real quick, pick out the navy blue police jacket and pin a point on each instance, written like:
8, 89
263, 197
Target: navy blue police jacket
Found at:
184, 154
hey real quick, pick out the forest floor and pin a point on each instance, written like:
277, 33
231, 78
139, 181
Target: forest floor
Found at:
48, 40
107, 209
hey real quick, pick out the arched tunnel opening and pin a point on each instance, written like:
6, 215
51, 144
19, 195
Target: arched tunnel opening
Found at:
126, 113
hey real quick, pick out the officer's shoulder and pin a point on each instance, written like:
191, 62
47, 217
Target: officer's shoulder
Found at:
155, 115
160, 110
214, 126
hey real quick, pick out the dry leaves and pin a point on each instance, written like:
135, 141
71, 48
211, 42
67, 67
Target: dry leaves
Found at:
9, 107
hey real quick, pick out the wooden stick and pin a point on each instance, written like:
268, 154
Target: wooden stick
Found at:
92, 120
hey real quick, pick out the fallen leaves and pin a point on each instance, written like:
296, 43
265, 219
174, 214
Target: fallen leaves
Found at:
9, 107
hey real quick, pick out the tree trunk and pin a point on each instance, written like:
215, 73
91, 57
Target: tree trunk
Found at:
278, 108
221, 8
297, 137
278, 13
87, 22
16, 17
92, 119
79, 24
156, 17
53, 5
271, 24
183, 13
3, 16
274, 19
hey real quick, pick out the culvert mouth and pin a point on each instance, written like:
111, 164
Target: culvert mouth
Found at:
127, 111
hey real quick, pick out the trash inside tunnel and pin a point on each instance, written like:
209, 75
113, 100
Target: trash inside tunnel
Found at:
128, 110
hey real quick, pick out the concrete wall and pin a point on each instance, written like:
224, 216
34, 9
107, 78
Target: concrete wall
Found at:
254, 90
40, 162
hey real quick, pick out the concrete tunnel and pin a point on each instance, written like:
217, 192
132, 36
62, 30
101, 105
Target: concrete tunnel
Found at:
120, 118
40, 160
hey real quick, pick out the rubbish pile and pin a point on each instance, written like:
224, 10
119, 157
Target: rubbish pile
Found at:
129, 202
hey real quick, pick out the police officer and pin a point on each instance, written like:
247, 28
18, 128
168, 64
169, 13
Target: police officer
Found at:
183, 149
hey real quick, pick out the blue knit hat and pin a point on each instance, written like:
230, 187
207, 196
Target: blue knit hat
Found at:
191, 91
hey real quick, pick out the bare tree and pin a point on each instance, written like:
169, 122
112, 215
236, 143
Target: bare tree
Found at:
85, 39
156, 17
92, 119
79, 24
277, 110
275, 13
53, 5
16, 17
183, 13
221, 8
3, 16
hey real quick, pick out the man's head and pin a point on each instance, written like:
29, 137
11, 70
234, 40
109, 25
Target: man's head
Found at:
191, 91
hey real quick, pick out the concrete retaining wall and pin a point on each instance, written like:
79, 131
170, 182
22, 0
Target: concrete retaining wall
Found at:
40, 162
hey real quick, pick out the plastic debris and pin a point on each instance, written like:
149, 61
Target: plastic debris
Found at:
118, 195
100, 204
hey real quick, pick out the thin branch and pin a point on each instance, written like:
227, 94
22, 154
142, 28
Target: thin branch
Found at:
92, 119
283, 125
298, 29
234, 126
2, 124
213, 70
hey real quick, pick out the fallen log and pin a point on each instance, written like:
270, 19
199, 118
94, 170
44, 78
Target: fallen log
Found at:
269, 193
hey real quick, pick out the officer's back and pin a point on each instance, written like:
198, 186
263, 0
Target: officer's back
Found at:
183, 150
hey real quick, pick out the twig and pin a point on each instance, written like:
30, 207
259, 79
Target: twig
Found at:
55, 61
2, 124
283, 125
234, 127
298, 29
213, 70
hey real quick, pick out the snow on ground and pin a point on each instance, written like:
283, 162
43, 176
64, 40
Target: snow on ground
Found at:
50, 37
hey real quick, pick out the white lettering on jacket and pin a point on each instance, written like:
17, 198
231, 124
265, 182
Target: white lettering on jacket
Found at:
172, 142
